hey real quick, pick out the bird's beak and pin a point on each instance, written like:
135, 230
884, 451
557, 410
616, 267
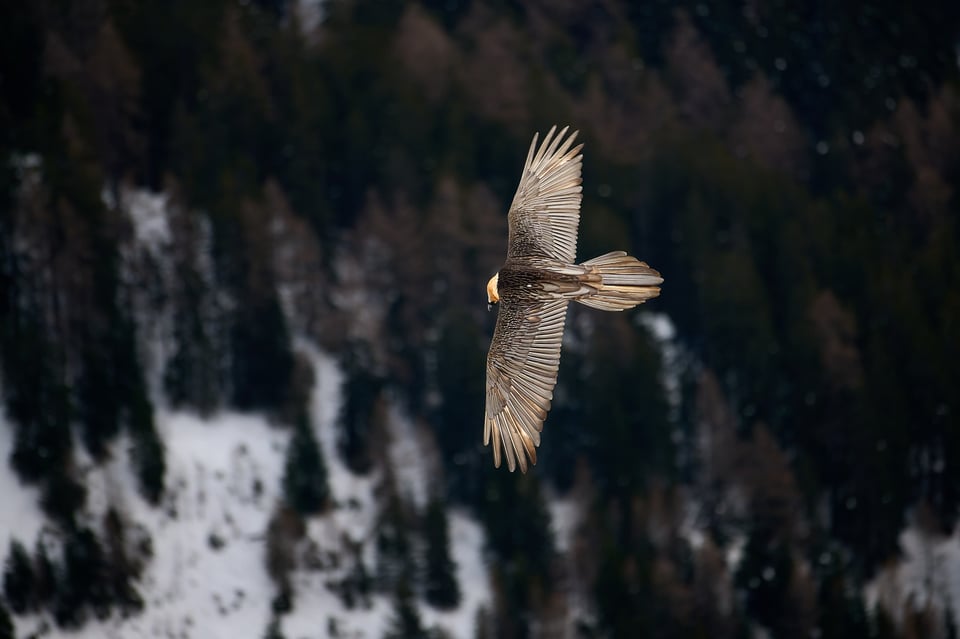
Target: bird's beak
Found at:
490, 306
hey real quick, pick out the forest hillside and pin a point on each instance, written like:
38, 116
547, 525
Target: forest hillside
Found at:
243, 328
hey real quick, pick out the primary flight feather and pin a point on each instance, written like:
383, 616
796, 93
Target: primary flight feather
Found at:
532, 290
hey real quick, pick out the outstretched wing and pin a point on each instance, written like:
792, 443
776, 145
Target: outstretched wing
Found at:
521, 372
545, 212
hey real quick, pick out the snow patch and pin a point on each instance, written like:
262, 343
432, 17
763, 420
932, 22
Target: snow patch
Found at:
664, 333
564, 518
151, 226
407, 457
926, 577
20, 514
466, 548
347, 487
311, 14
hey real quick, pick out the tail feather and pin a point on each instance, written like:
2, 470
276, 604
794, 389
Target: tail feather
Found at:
625, 282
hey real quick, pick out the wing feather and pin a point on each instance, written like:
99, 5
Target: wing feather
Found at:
522, 370
545, 213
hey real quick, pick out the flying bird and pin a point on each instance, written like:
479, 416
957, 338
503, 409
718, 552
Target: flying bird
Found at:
532, 290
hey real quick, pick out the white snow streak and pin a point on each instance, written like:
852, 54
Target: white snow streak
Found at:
927, 577
20, 514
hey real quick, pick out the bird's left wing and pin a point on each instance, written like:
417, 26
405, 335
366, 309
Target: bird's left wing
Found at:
545, 212
521, 372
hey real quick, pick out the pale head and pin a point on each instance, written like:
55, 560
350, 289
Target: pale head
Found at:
493, 295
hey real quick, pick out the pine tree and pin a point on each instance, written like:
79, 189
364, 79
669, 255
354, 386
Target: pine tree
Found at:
36, 399
305, 485
395, 561
274, 631
62, 496
84, 580
440, 588
7, 631
764, 575
45, 576
361, 391
406, 623
460, 350
120, 569
262, 358
18, 578
518, 533
147, 452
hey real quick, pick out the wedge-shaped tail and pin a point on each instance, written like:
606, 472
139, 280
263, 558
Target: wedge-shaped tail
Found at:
625, 282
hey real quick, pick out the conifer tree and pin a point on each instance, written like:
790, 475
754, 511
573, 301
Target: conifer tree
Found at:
84, 582
45, 576
7, 631
518, 534
406, 623
62, 496
147, 452
395, 560
305, 484
36, 399
18, 578
440, 588
262, 359
274, 631
361, 391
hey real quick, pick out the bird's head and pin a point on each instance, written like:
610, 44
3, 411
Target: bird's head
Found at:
493, 295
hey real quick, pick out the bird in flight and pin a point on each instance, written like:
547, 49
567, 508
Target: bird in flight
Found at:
532, 289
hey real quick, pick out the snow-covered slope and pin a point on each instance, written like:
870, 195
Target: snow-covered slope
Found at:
207, 574
207, 577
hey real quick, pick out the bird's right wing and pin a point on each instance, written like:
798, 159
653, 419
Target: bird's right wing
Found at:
521, 372
545, 213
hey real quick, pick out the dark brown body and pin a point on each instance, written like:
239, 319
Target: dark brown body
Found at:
519, 280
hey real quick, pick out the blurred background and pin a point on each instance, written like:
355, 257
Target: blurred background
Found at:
243, 327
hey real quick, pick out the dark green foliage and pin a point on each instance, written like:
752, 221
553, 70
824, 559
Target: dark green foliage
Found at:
194, 373
7, 630
62, 496
357, 416
357, 584
518, 536
18, 579
274, 630
440, 587
36, 400
406, 623
622, 591
95, 579
191, 377
305, 485
617, 415
97, 401
763, 576
82, 580
45, 576
395, 558
842, 611
518, 524
147, 451
461, 357
262, 359
121, 569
